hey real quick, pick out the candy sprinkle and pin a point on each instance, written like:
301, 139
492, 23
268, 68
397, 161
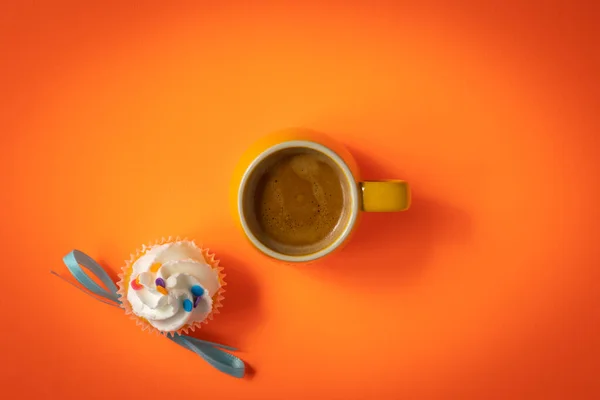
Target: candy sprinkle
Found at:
187, 305
197, 301
135, 284
155, 267
160, 282
197, 290
162, 290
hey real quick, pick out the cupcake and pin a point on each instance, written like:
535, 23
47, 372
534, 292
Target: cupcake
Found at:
171, 287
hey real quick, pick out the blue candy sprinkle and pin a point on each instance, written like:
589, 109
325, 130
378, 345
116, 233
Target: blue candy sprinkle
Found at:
188, 305
197, 290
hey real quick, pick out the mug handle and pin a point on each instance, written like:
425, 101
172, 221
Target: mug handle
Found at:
385, 196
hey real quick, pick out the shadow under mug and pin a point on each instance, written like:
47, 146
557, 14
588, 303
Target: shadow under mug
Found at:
370, 196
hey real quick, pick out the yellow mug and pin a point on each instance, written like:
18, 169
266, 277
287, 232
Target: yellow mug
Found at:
375, 196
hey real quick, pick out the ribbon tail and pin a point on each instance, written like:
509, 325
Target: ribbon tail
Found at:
222, 361
86, 291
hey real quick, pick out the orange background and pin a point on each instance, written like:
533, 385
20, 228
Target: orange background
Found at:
122, 123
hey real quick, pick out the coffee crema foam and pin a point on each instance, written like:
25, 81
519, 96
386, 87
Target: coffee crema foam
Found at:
298, 201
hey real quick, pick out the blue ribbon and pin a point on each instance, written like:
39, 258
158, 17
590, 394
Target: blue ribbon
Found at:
209, 351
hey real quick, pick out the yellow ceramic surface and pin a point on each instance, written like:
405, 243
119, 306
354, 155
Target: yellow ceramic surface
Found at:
376, 196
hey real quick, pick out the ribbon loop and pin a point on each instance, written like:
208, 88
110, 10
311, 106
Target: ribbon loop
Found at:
77, 259
209, 351
219, 359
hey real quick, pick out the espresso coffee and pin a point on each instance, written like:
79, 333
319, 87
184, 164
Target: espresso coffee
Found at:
298, 201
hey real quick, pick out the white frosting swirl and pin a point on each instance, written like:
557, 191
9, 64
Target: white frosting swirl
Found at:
181, 266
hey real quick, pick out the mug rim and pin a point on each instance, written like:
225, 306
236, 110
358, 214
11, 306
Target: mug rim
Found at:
354, 200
